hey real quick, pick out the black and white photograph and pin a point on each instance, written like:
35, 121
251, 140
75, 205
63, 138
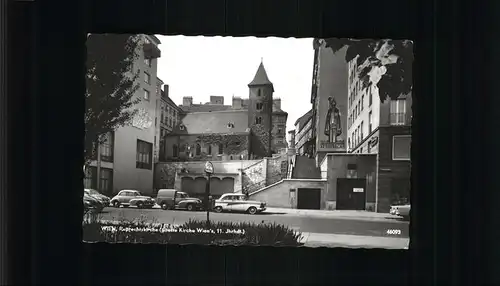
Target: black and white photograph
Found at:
296, 142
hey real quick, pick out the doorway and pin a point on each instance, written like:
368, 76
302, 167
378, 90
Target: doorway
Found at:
351, 194
309, 199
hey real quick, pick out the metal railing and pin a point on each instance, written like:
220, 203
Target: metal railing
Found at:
399, 118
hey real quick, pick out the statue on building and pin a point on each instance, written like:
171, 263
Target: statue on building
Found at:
333, 127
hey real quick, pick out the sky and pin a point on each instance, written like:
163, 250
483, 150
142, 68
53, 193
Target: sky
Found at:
223, 66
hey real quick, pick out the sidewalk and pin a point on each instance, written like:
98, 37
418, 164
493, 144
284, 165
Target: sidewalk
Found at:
353, 241
340, 214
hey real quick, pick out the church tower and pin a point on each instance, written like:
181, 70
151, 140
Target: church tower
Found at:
260, 110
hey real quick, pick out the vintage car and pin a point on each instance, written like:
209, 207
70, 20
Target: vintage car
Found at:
127, 198
238, 203
171, 199
92, 204
401, 210
102, 198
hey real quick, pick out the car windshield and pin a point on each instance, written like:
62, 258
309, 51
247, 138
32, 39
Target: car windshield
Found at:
136, 194
183, 195
93, 192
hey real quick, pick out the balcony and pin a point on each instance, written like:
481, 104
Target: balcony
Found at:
401, 118
151, 51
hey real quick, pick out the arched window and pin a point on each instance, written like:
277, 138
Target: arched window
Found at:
198, 149
175, 151
231, 157
209, 149
221, 148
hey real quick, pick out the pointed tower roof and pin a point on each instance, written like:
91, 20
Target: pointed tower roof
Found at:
261, 77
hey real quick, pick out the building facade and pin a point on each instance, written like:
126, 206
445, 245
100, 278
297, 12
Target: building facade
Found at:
279, 142
383, 129
125, 159
248, 129
169, 117
329, 100
303, 134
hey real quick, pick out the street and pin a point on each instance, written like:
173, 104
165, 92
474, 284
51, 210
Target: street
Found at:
388, 228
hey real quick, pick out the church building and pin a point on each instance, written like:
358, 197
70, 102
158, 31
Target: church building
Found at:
247, 129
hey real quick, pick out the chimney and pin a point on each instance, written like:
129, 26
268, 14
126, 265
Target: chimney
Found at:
277, 102
187, 101
237, 102
165, 89
217, 100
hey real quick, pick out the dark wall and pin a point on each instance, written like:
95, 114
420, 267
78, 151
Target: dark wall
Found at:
391, 174
366, 169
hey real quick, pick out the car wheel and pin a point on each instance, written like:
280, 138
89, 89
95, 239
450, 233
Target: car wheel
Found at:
252, 210
190, 207
140, 205
164, 206
116, 204
218, 209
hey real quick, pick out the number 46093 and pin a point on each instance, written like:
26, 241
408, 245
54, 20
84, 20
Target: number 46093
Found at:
394, 231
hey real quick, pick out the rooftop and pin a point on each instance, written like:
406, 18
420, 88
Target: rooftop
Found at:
304, 118
213, 122
260, 77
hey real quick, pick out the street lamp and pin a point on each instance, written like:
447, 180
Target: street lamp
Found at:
209, 170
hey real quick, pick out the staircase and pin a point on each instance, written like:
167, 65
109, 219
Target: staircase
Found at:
305, 168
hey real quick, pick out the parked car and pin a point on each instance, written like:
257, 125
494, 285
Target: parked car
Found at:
238, 203
94, 193
401, 210
91, 203
172, 199
128, 198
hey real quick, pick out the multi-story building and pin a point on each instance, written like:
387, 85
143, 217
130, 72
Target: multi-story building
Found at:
329, 101
169, 117
303, 134
279, 143
125, 159
384, 129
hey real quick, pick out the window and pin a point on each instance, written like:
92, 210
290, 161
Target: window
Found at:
209, 149
107, 148
162, 117
362, 101
90, 177
258, 92
349, 143
370, 99
175, 151
370, 122
198, 150
279, 130
398, 111
144, 155
258, 120
147, 62
146, 94
147, 78
361, 130
259, 105
401, 147
221, 149
106, 181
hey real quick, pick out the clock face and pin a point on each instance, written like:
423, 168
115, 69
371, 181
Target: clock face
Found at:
142, 119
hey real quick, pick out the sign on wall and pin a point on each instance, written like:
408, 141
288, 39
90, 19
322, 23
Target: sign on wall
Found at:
332, 127
142, 119
331, 105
